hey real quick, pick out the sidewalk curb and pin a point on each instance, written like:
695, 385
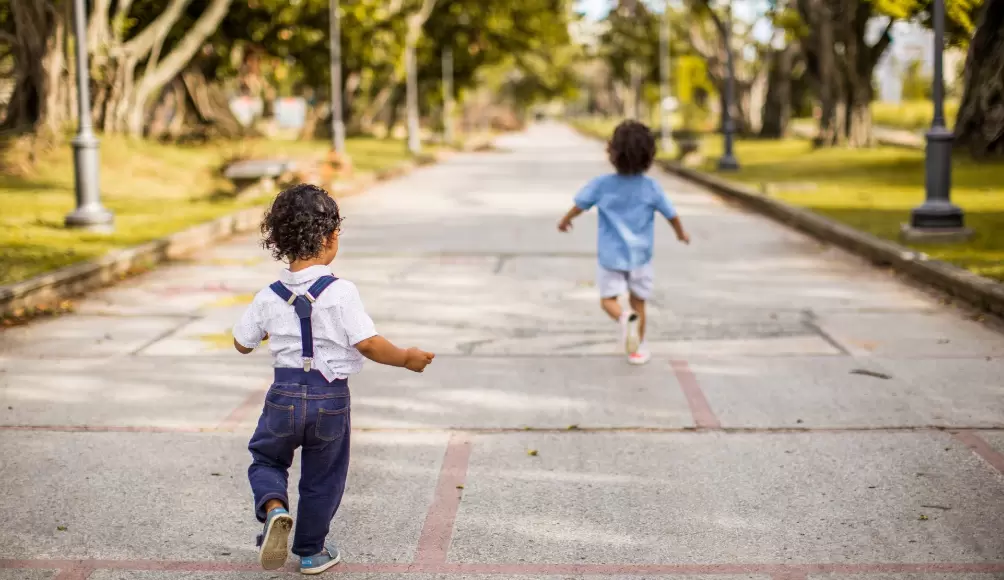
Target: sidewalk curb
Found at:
62, 284
977, 290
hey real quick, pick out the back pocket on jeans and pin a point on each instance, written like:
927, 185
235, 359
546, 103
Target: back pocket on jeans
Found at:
331, 424
279, 419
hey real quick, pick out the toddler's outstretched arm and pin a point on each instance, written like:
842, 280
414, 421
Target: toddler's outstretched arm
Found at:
677, 225
566, 222
379, 349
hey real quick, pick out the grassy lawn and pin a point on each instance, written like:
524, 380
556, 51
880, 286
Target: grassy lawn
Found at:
153, 189
872, 190
911, 115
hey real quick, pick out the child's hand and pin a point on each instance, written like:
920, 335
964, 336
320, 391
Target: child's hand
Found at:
683, 237
565, 225
417, 360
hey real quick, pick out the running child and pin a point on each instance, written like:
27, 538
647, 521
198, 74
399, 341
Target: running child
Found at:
627, 202
318, 335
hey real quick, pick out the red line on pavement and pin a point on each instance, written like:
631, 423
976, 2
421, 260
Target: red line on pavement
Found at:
704, 417
79, 572
980, 447
73, 569
249, 405
104, 428
434, 541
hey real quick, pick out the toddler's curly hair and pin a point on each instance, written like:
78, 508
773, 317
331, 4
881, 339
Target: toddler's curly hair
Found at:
632, 148
299, 223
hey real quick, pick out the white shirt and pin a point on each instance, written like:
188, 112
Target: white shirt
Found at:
338, 322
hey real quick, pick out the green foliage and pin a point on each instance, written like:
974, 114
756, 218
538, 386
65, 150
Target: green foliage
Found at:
916, 86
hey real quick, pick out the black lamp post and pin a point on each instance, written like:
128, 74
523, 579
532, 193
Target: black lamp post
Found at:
937, 218
728, 161
89, 214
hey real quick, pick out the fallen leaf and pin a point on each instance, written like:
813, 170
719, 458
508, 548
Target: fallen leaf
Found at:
460, 487
923, 518
62, 528
532, 452
573, 427
869, 373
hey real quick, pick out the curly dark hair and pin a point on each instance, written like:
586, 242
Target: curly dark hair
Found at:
632, 148
299, 223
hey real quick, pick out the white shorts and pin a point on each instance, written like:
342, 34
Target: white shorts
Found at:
615, 283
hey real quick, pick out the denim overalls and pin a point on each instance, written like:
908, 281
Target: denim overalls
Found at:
303, 409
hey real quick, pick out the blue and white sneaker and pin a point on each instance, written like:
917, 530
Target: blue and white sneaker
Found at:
320, 562
273, 542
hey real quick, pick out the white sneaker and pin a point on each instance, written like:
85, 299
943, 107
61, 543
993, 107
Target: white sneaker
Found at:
630, 336
640, 357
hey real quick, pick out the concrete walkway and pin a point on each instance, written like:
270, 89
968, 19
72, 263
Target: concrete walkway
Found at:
751, 447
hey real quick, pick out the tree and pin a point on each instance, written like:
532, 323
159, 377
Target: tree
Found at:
136, 48
980, 122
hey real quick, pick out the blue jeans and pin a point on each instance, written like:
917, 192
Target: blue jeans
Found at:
302, 409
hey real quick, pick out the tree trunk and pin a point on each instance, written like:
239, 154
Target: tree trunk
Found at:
980, 123
777, 106
157, 74
859, 116
40, 92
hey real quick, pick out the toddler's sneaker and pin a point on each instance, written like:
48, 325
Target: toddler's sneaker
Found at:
273, 541
629, 332
640, 356
320, 562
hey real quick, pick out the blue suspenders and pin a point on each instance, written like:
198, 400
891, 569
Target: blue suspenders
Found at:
303, 307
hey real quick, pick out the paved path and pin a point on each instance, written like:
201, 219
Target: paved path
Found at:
749, 448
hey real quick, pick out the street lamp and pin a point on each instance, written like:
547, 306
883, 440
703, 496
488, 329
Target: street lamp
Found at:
337, 124
448, 135
937, 218
728, 161
89, 214
665, 62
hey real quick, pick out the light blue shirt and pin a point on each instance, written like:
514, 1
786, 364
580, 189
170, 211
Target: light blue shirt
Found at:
626, 206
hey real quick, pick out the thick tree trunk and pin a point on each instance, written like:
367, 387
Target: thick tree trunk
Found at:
859, 117
41, 87
777, 106
980, 122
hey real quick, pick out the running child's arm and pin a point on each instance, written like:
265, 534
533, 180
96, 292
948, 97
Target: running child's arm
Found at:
665, 207
249, 332
362, 334
584, 201
566, 222
380, 350
677, 225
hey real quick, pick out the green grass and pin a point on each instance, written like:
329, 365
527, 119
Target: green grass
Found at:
873, 190
911, 115
153, 189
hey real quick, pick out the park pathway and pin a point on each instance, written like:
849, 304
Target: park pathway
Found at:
805, 416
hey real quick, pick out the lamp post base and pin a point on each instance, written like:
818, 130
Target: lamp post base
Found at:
909, 233
728, 162
93, 219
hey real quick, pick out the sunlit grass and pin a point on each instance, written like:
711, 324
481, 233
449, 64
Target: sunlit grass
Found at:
153, 189
875, 189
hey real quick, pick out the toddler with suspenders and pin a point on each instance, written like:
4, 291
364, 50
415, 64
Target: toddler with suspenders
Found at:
319, 334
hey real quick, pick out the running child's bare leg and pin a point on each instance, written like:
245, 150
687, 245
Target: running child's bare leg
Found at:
612, 307
638, 306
